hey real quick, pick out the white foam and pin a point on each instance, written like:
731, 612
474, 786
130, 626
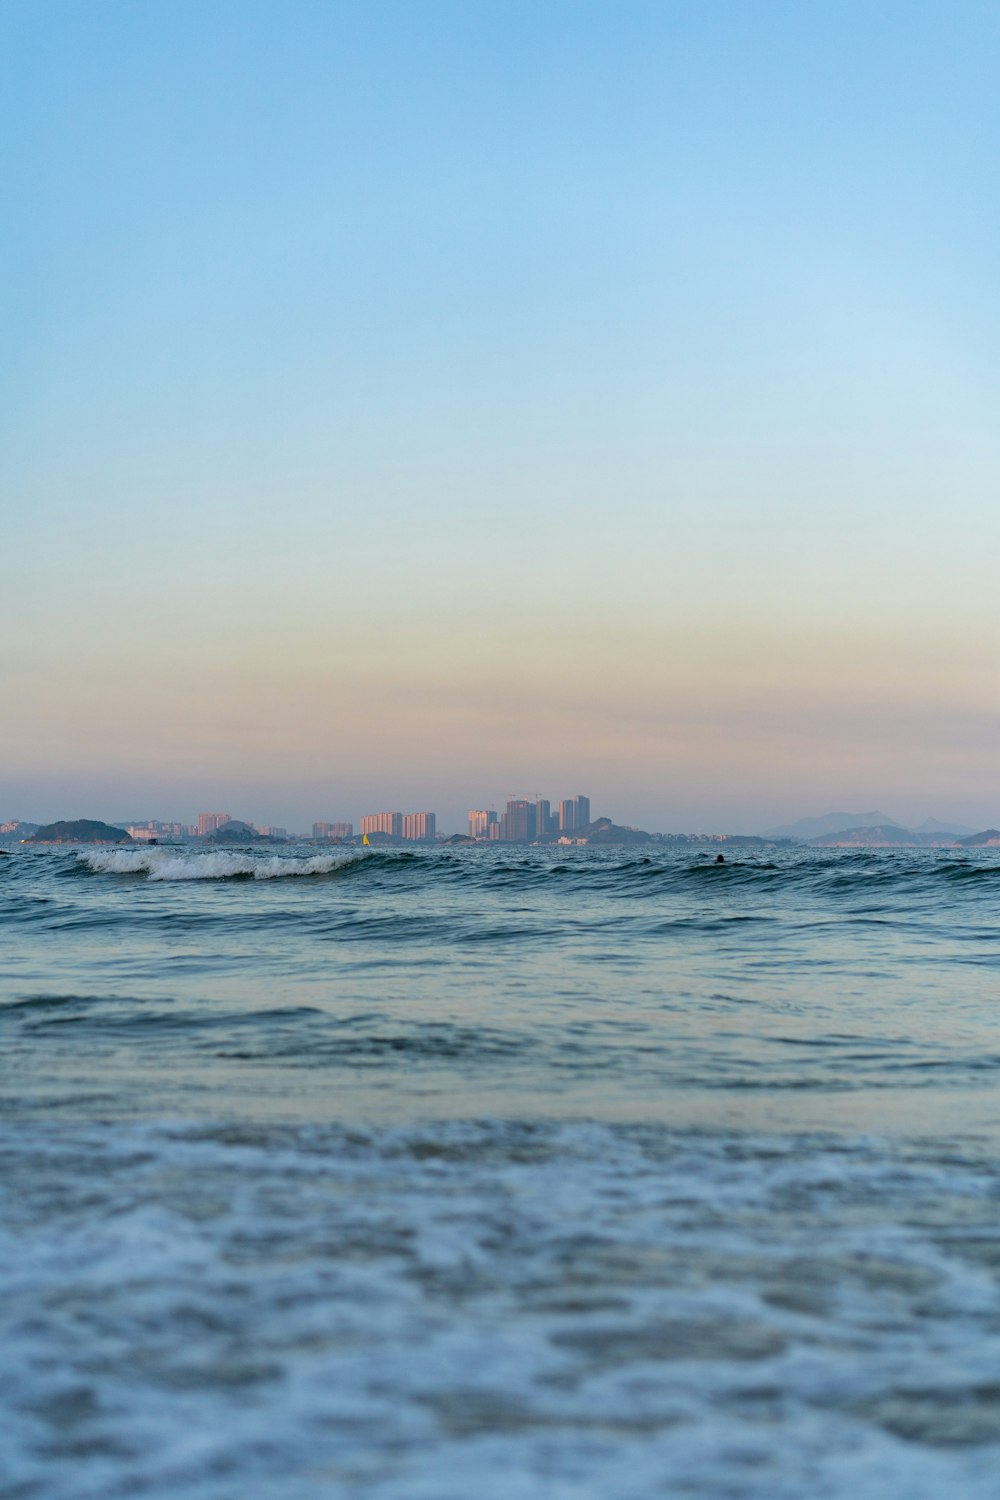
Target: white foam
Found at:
168, 864
514, 1314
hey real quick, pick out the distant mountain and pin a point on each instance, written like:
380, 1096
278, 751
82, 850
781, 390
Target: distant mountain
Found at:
879, 835
884, 836
988, 836
932, 825
812, 828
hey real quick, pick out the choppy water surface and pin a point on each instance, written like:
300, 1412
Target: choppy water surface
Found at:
501, 1172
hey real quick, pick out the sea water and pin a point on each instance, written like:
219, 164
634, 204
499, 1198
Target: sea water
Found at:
499, 1173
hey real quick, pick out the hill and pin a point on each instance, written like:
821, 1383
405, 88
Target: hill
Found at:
236, 832
808, 829
978, 840
603, 831
80, 831
881, 836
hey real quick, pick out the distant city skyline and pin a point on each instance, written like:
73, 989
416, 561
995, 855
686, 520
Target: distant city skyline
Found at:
522, 819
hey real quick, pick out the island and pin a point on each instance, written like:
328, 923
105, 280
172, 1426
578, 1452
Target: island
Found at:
237, 832
79, 831
603, 831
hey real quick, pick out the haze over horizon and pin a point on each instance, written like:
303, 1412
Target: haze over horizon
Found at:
404, 406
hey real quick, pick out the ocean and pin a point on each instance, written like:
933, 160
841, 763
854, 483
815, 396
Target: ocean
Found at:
506, 1173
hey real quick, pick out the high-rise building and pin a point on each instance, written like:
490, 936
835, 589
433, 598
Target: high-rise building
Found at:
333, 830
543, 815
421, 826
581, 812
517, 826
387, 822
209, 822
567, 815
481, 821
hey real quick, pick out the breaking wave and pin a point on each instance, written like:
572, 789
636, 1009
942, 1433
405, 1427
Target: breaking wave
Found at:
164, 864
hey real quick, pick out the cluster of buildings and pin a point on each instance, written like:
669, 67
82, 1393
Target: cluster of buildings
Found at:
414, 827
420, 827
525, 821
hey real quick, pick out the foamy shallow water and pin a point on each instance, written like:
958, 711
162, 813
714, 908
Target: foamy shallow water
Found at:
495, 1310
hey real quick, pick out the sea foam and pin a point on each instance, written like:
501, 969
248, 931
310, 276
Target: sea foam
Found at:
167, 864
493, 1309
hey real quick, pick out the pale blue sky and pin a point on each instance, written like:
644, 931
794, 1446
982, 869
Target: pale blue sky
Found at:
409, 403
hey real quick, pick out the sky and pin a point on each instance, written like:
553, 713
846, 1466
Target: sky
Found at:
410, 405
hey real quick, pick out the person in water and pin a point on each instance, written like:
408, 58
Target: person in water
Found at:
720, 859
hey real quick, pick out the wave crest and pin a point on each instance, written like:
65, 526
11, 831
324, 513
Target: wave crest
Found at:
166, 864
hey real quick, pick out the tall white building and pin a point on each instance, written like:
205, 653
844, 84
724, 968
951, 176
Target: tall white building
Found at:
419, 826
386, 822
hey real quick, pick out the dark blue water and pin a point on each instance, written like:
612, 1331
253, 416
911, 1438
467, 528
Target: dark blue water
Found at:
499, 1171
